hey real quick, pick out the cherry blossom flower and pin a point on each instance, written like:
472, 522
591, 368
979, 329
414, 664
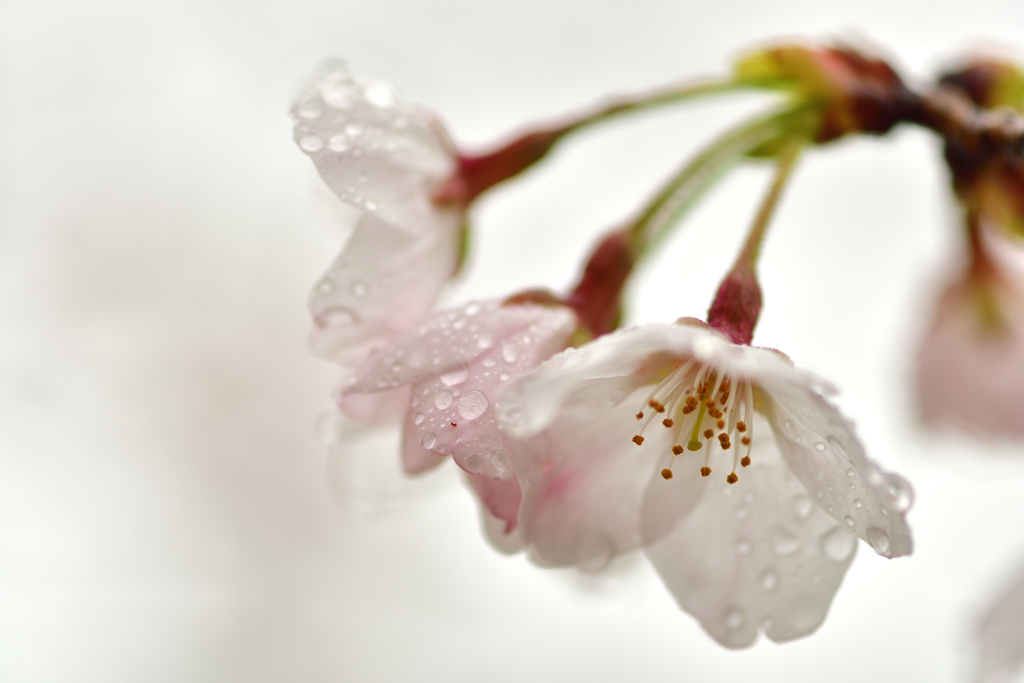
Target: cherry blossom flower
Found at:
385, 159
999, 635
972, 358
625, 443
444, 373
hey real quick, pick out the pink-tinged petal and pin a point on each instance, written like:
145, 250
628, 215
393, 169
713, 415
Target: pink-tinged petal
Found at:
442, 345
754, 556
384, 280
499, 498
415, 458
1000, 635
457, 401
385, 159
383, 407
584, 481
972, 358
820, 447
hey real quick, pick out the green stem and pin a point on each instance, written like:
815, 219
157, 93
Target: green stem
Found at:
690, 183
755, 237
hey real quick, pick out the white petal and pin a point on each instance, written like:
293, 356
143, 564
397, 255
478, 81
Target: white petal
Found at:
1000, 635
583, 482
822, 450
384, 280
416, 458
379, 408
375, 152
755, 555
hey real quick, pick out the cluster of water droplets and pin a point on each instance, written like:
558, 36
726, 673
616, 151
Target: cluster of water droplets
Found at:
866, 499
456, 361
376, 153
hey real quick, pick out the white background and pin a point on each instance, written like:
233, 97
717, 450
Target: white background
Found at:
165, 514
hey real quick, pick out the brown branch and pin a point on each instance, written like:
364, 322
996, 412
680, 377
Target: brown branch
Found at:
981, 133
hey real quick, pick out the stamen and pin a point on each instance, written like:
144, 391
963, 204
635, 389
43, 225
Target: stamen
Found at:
741, 426
640, 415
638, 440
668, 422
720, 424
677, 450
666, 473
732, 478
705, 471
708, 433
745, 461
657, 406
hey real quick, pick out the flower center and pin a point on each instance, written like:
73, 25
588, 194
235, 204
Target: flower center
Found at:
699, 402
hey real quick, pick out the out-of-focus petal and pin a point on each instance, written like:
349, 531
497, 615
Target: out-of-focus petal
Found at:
499, 498
755, 556
822, 450
380, 408
385, 159
999, 635
415, 458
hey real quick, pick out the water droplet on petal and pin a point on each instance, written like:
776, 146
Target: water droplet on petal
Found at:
489, 362
325, 286
473, 308
443, 399
310, 109
379, 94
484, 341
743, 546
499, 460
879, 540
337, 316
902, 494
857, 503
358, 289
784, 543
456, 372
509, 352
742, 512
769, 580
819, 446
311, 143
337, 143
734, 618
849, 521
803, 506
838, 543
371, 205
418, 418
472, 404
354, 130
428, 440
473, 464
850, 473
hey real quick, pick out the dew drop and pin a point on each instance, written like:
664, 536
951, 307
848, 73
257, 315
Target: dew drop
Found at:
803, 506
442, 399
489, 362
902, 494
311, 143
850, 472
337, 316
784, 543
819, 446
743, 546
769, 580
428, 440
509, 352
472, 309
336, 93
742, 512
838, 544
787, 424
857, 503
734, 618
418, 418
473, 463
325, 286
337, 143
499, 460
371, 205
849, 521
879, 540
379, 95
484, 341
472, 404
310, 109
884, 510
504, 376
456, 372
354, 130
358, 289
